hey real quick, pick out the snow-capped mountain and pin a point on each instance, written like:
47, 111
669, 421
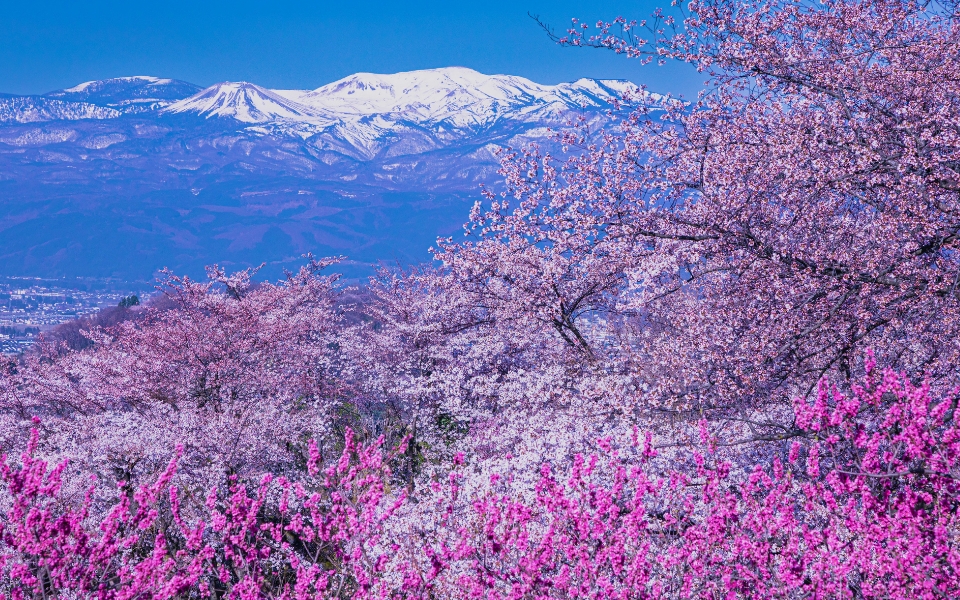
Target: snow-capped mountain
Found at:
247, 103
123, 176
457, 96
128, 94
365, 114
96, 100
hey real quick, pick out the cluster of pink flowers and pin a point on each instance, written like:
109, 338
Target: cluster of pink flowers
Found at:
861, 503
307, 543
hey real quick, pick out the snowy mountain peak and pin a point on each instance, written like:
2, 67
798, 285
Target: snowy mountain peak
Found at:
244, 102
410, 82
458, 95
361, 115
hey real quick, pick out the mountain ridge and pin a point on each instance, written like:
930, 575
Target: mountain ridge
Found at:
124, 176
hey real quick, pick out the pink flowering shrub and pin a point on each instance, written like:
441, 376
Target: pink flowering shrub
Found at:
279, 540
861, 504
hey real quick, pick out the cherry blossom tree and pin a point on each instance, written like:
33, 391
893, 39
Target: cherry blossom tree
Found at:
802, 209
242, 375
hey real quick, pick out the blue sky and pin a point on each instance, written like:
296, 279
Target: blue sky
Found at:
48, 45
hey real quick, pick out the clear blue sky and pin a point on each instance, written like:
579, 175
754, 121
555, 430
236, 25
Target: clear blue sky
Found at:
51, 44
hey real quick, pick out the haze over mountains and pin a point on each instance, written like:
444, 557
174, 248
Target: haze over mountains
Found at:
122, 177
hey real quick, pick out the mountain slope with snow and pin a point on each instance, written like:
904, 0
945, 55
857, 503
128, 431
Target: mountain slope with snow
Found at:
35, 109
365, 114
458, 96
246, 103
128, 94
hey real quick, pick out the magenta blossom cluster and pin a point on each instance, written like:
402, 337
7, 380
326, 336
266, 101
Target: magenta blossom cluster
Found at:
277, 540
860, 503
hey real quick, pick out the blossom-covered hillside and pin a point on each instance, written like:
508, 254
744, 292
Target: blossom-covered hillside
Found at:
709, 352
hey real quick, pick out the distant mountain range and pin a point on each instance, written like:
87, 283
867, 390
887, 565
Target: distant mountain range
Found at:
122, 177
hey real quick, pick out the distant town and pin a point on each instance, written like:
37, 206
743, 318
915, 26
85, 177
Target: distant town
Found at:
29, 306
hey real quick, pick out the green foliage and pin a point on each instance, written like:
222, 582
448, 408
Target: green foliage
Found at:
129, 301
